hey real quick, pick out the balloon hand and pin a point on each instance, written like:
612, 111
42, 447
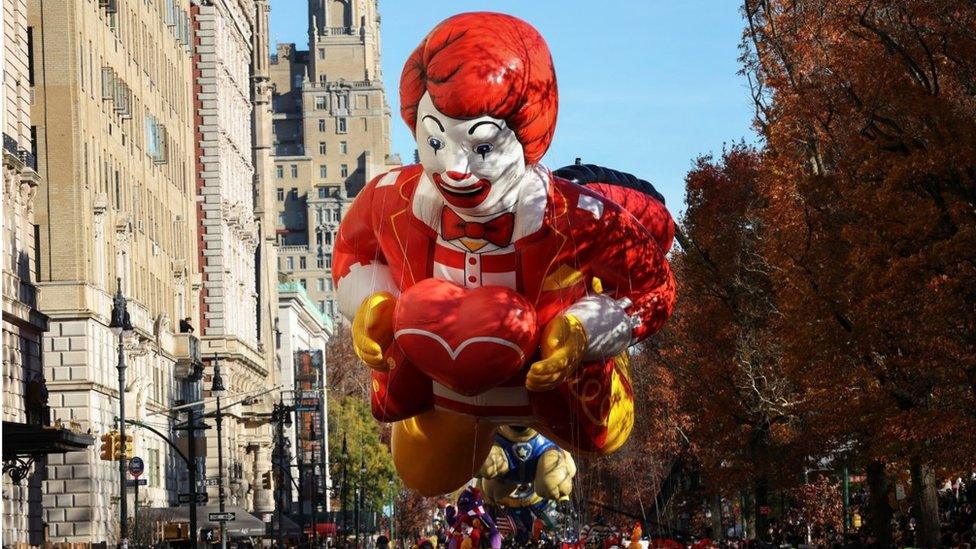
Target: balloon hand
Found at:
372, 329
563, 345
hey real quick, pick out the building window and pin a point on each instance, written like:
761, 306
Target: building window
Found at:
320, 284
323, 173
328, 261
294, 171
342, 101
320, 102
279, 171
321, 53
322, 306
328, 284
341, 124
323, 192
329, 309
328, 238
290, 263
281, 193
322, 147
303, 282
321, 124
294, 192
335, 215
343, 147
319, 263
302, 265
281, 221
344, 170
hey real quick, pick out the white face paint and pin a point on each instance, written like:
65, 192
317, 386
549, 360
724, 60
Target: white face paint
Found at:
476, 164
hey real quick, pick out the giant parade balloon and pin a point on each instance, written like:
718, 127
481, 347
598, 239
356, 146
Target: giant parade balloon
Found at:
524, 468
484, 289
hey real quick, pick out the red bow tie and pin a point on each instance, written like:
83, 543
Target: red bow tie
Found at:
498, 231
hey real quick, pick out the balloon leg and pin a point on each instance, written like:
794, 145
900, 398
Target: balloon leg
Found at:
437, 452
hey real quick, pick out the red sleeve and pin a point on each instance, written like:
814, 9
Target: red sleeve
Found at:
630, 264
356, 241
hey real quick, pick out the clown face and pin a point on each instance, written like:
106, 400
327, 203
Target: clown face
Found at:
475, 164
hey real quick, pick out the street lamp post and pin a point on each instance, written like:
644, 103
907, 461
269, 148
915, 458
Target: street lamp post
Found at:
360, 491
279, 416
121, 327
218, 390
313, 497
345, 490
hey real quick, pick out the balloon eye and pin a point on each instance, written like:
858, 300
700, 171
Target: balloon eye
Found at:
483, 149
435, 143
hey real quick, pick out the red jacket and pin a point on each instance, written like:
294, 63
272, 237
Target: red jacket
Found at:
383, 245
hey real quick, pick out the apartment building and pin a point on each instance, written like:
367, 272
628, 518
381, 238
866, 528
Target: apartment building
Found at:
331, 135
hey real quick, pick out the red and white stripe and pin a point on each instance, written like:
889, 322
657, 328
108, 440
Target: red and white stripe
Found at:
473, 270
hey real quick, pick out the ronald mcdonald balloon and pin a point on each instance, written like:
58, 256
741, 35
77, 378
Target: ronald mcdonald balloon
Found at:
485, 290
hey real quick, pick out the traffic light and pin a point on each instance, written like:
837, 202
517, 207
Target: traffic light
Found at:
266, 482
108, 446
128, 448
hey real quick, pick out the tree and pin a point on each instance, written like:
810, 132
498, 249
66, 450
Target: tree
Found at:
350, 419
866, 112
722, 345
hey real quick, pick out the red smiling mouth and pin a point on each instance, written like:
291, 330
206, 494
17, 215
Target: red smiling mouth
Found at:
468, 196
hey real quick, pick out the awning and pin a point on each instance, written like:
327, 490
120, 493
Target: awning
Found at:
244, 525
24, 439
291, 528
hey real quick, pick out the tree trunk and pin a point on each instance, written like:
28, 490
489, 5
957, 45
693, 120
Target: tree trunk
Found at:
926, 502
880, 509
760, 508
716, 504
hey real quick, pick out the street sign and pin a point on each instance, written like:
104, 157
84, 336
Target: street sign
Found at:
136, 466
222, 517
136, 482
201, 497
207, 482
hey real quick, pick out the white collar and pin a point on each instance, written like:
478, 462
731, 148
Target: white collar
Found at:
529, 209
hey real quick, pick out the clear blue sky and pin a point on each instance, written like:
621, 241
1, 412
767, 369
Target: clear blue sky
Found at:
645, 85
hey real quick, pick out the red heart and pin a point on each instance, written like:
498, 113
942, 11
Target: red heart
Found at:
467, 340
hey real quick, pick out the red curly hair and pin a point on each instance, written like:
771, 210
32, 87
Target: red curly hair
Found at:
480, 63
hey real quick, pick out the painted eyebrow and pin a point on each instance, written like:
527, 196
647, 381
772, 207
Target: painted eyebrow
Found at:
471, 130
436, 121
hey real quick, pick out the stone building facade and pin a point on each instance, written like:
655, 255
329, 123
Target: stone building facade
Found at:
331, 134
234, 324
113, 113
23, 324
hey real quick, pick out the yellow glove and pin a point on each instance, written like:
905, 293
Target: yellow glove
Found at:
563, 346
372, 329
